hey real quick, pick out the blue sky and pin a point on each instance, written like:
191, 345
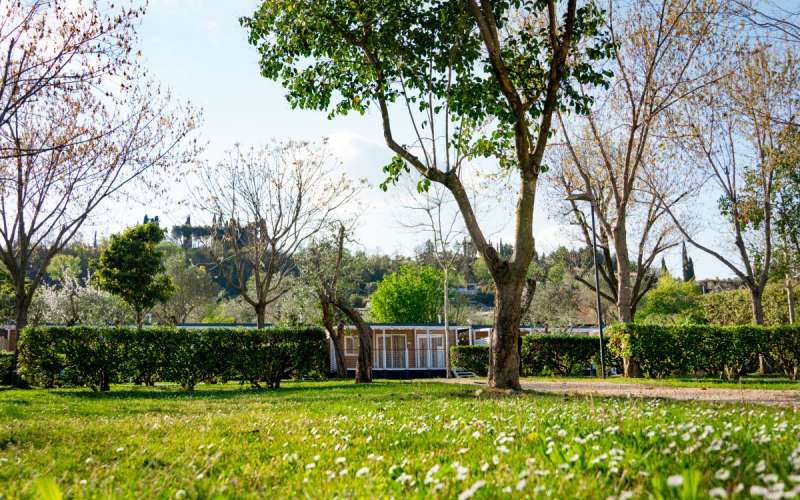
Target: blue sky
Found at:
198, 50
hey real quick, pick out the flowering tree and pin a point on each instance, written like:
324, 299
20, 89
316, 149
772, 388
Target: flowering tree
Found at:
79, 122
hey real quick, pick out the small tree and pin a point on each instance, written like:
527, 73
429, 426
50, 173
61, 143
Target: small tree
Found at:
132, 267
194, 289
413, 295
267, 203
331, 272
671, 301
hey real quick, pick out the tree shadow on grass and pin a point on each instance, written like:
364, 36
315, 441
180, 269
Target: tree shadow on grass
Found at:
290, 392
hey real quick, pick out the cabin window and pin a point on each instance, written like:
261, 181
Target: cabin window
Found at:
351, 345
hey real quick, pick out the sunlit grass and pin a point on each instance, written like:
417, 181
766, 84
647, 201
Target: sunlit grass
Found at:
401, 439
748, 382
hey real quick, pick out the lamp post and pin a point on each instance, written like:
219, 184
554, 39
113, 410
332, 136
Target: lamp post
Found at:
588, 197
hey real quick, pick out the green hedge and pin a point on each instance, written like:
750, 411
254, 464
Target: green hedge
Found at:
97, 357
471, 357
541, 355
558, 354
6, 364
734, 307
727, 351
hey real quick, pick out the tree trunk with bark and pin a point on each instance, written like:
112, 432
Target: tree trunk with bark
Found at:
336, 334
364, 363
790, 299
261, 313
446, 324
504, 356
630, 366
756, 297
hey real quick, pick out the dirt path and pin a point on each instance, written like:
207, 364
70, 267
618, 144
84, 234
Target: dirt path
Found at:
600, 388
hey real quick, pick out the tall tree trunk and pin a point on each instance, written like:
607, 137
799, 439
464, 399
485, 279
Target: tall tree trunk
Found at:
790, 299
504, 356
338, 351
757, 305
630, 366
446, 325
364, 364
22, 305
261, 313
336, 335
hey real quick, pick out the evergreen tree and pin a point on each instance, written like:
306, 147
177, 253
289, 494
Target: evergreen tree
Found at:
688, 264
132, 267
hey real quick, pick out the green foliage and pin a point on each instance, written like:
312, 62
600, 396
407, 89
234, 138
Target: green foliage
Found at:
63, 265
412, 295
474, 358
784, 344
734, 307
193, 289
558, 354
541, 355
671, 301
96, 357
724, 350
6, 365
132, 268
344, 57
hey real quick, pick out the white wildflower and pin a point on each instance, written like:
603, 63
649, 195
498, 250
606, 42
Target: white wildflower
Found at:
362, 471
461, 471
722, 474
717, 493
469, 492
675, 481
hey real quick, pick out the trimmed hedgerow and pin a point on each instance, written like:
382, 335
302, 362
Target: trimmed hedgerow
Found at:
97, 357
558, 354
728, 351
474, 358
541, 355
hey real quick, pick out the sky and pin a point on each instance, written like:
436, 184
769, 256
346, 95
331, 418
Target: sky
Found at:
197, 49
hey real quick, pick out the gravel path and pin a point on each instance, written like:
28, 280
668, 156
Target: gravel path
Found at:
600, 388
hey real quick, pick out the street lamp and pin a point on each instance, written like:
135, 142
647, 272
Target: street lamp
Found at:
588, 197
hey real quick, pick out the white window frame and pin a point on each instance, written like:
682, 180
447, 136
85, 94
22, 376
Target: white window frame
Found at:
381, 355
351, 345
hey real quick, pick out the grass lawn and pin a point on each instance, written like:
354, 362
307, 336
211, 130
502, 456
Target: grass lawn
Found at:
400, 439
749, 382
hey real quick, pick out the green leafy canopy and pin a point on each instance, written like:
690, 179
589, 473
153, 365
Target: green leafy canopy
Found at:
132, 267
342, 56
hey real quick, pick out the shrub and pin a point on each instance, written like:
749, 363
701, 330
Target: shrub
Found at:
784, 348
672, 301
474, 358
541, 354
735, 308
6, 365
724, 350
96, 357
557, 354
